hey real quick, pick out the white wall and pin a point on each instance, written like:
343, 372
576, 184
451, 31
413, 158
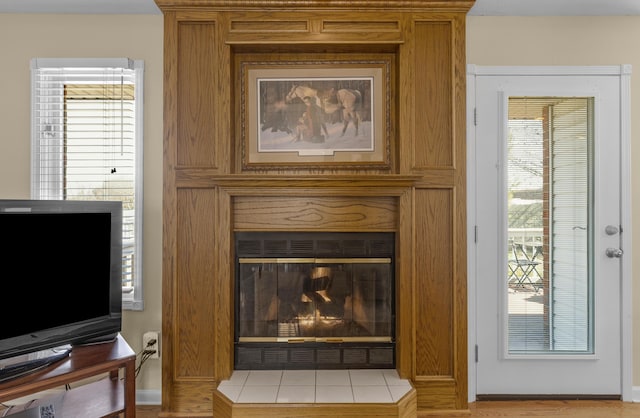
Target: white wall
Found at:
25, 36
547, 40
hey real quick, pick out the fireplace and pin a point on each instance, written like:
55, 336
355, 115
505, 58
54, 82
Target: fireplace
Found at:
314, 300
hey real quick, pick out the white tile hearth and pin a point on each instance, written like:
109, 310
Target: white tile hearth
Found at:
334, 394
296, 394
264, 378
258, 394
371, 394
367, 378
315, 386
333, 378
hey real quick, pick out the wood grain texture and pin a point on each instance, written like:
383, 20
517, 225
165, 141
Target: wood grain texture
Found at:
366, 184
441, 5
224, 288
555, 408
361, 28
509, 409
459, 215
419, 196
405, 330
169, 204
196, 84
311, 213
193, 335
434, 283
190, 399
436, 393
91, 376
432, 145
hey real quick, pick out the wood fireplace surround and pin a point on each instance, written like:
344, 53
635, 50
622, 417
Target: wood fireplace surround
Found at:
413, 188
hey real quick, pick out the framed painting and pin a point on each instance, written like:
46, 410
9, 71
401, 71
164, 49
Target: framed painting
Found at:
315, 114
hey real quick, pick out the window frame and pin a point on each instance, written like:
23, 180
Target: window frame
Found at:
130, 300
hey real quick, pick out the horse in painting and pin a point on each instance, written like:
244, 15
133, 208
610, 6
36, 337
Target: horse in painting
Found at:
299, 91
347, 100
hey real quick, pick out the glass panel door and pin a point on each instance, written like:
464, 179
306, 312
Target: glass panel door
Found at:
549, 181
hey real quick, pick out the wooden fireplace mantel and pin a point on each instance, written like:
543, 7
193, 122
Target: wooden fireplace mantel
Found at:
462, 6
216, 184
206, 178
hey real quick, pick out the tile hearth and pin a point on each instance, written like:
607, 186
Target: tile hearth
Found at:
315, 386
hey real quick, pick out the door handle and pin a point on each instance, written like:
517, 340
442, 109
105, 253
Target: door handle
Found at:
613, 252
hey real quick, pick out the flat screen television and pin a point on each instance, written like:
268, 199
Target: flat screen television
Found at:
60, 276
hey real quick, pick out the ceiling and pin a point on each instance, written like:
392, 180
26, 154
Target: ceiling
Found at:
555, 8
80, 6
481, 7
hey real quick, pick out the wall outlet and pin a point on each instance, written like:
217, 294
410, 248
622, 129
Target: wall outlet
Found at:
149, 337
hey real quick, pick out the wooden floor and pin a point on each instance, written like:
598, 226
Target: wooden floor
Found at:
516, 409
144, 411
543, 409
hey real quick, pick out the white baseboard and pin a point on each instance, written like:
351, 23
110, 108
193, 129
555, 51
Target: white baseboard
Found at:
153, 397
635, 394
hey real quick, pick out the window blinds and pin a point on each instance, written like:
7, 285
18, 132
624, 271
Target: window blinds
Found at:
549, 207
571, 209
85, 117
85, 136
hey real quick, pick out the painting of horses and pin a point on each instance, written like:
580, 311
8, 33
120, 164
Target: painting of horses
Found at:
312, 115
320, 115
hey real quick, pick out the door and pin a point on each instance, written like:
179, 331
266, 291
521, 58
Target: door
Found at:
548, 254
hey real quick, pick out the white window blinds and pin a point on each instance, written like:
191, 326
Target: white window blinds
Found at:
87, 143
550, 202
571, 188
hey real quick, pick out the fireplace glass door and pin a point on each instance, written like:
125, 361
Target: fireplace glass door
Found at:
330, 300
314, 300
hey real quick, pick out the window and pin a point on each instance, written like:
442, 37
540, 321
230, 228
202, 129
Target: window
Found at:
550, 200
86, 144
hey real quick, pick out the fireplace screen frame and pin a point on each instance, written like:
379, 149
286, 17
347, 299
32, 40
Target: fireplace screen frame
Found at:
314, 279
316, 261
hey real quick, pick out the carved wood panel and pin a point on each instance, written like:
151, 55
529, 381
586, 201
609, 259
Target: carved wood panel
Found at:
196, 83
193, 333
315, 213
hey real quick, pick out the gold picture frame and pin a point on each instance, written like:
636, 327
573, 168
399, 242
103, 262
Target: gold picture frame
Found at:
315, 114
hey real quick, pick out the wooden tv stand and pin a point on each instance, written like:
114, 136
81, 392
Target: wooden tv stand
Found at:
103, 398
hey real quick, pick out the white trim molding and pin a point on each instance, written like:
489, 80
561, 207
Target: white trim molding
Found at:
148, 397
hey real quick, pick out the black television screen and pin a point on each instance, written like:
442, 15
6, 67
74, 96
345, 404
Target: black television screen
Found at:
61, 274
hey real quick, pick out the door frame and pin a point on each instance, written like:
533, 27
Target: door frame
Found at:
624, 71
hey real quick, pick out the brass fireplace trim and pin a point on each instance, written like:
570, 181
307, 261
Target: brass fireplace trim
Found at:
276, 260
297, 340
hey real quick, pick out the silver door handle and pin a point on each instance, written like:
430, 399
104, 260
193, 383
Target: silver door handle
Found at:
613, 252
